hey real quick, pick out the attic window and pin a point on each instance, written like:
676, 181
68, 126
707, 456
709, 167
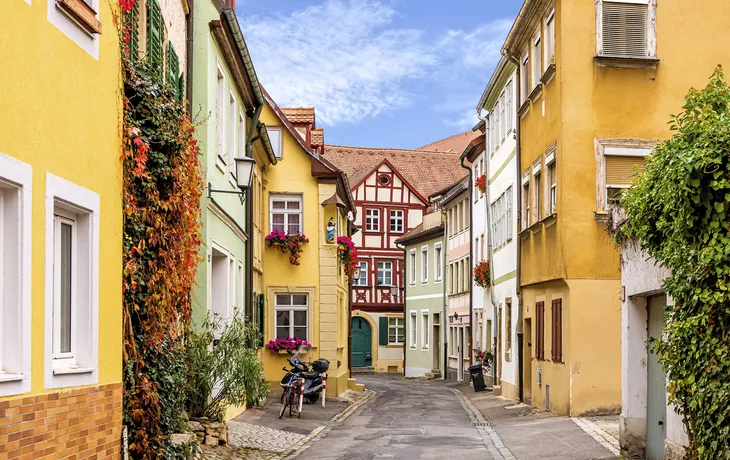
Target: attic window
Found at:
384, 180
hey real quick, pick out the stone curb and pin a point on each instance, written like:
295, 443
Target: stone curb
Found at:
490, 437
603, 438
321, 431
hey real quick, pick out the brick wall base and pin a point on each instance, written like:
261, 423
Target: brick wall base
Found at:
80, 423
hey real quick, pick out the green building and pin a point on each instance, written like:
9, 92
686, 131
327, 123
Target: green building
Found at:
424, 297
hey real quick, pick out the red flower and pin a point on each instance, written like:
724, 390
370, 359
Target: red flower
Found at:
126, 5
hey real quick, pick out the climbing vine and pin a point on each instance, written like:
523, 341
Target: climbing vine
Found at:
679, 210
162, 187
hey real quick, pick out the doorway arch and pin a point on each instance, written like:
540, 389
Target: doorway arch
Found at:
362, 343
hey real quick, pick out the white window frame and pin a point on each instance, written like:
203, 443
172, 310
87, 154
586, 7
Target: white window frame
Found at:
624, 147
388, 270
220, 118
231, 150
537, 47
62, 195
414, 329
277, 144
372, 219
424, 264
537, 190
64, 22
291, 309
525, 77
397, 216
399, 329
425, 325
241, 291
549, 45
412, 255
16, 179
651, 34
437, 263
286, 212
67, 359
360, 272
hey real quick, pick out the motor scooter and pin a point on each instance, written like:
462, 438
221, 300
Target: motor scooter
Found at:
314, 374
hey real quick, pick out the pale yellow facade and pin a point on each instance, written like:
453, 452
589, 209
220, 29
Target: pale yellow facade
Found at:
585, 108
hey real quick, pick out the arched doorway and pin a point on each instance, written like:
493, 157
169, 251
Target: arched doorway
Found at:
362, 342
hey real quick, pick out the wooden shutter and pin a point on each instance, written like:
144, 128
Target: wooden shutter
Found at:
260, 306
134, 30
383, 331
620, 170
181, 87
154, 33
173, 68
557, 328
624, 29
540, 335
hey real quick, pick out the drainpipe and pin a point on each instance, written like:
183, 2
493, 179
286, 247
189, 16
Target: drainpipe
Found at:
487, 198
471, 264
445, 317
405, 309
518, 240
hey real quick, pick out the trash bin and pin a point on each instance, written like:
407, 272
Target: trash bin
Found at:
477, 377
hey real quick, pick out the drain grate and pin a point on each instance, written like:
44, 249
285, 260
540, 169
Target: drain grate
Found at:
482, 423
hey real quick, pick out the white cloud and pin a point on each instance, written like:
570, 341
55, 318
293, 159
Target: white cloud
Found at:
347, 59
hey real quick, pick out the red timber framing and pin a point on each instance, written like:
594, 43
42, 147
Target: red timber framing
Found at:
388, 207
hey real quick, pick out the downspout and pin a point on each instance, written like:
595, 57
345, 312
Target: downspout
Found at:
445, 317
487, 198
518, 240
471, 263
248, 298
189, 58
404, 271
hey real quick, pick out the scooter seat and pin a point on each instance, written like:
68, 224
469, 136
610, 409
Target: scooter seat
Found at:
311, 375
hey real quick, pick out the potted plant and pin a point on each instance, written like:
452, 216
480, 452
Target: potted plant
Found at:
290, 243
481, 183
481, 274
347, 255
289, 345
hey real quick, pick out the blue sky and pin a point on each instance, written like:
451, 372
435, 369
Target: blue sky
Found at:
380, 73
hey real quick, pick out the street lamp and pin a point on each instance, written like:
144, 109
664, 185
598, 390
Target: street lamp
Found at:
244, 176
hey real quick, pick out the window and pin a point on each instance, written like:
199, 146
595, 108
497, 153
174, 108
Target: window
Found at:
525, 202
286, 213
274, 133
424, 264
625, 28
557, 329
413, 266
510, 107
385, 273
437, 262
508, 205
540, 331
221, 284
424, 316
292, 311
232, 124
362, 274
525, 77
220, 122
537, 187
617, 161
508, 329
241, 290
502, 118
550, 39
72, 284
396, 331
552, 181
414, 330
155, 33
396, 220
536, 62
15, 281
76, 24
372, 220
241, 137
501, 211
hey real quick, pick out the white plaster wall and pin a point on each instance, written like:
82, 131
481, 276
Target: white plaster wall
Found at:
640, 277
173, 13
416, 371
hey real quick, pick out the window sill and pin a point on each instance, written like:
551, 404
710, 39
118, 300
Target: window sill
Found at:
536, 93
524, 234
627, 62
395, 345
424, 348
81, 14
536, 227
601, 217
220, 163
550, 220
549, 74
524, 108
73, 371
11, 377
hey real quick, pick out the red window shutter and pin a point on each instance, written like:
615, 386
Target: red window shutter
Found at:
540, 313
559, 321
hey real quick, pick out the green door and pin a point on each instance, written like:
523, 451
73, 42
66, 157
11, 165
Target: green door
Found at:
362, 341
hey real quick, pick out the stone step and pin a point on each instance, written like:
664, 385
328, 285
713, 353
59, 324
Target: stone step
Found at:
353, 385
497, 390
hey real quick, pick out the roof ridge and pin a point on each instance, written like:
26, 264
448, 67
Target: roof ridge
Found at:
390, 148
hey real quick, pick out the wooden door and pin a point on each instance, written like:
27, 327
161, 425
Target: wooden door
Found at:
362, 342
656, 395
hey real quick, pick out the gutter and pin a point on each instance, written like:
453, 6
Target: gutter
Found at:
471, 263
230, 16
189, 57
518, 240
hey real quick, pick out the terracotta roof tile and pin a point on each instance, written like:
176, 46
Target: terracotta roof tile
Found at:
426, 171
317, 136
452, 144
299, 114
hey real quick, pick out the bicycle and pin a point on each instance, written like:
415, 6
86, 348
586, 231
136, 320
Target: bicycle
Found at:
293, 397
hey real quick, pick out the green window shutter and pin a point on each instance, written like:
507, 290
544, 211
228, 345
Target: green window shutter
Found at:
383, 331
181, 88
173, 68
260, 306
154, 33
134, 28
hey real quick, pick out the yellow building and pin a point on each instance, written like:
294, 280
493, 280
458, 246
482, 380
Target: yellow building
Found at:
60, 230
598, 81
302, 193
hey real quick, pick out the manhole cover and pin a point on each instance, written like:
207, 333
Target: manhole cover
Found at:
482, 423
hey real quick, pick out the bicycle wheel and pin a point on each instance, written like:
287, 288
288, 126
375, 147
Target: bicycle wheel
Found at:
284, 401
294, 400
